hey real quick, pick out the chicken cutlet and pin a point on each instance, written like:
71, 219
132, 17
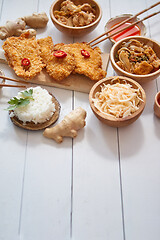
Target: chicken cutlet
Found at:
22, 54
88, 61
59, 65
46, 48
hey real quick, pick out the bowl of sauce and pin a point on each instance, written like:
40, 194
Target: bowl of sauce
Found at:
136, 30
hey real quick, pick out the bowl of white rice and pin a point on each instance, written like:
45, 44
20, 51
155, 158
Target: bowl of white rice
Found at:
41, 111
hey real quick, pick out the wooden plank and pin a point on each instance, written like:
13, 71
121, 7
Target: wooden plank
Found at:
12, 141
47, 187
96, 207
139, 147
96, 189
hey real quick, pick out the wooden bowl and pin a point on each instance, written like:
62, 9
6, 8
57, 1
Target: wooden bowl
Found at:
76, 31
157, 105
121, 72
113, 121
39, 126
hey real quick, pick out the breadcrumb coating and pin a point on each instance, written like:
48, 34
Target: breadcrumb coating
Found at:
40, 53
58, 68
46, 48
90, 67
18, 48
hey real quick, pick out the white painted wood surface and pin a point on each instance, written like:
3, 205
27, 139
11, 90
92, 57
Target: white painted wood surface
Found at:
102, 185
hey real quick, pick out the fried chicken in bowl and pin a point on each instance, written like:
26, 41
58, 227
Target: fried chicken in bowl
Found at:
75, 18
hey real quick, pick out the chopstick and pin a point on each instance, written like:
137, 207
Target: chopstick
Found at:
111, 35
121, 23
14, 80
10, 85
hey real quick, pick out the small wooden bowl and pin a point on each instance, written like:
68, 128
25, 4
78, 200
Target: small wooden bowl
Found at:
157, 105
112, 121
76, 31
121, 72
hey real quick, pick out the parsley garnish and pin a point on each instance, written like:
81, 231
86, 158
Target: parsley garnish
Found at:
19, 102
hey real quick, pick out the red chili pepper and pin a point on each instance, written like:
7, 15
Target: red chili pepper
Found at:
25, 62
132, 59
60, 54
85, 53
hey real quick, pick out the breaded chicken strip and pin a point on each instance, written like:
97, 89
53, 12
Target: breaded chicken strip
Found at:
46, 48
90, 66
58, 68
20, 48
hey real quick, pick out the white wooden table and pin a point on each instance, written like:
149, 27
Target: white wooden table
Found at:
104, 184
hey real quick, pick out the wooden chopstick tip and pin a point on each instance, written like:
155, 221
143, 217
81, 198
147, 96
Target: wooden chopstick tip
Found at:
14, 80
10, 85
116, 26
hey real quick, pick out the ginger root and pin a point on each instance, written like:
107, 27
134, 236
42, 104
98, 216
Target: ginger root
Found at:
17, 27
36, 20
12, 28
68, 127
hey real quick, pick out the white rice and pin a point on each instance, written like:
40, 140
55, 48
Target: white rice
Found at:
39, 110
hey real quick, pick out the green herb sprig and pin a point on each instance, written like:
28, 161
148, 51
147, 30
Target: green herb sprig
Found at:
19, 102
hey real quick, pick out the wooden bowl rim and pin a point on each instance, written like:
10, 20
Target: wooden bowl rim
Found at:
75, 28
113, 119
157, 96
127, 73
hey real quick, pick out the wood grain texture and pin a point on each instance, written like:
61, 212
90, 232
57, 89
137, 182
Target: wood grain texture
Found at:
102, 185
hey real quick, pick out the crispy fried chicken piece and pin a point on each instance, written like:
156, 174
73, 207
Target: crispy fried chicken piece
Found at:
91, 66
46, 48
87, 8
82, 19
18, 48
58, 68
154, 60
143, 68
69, 7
